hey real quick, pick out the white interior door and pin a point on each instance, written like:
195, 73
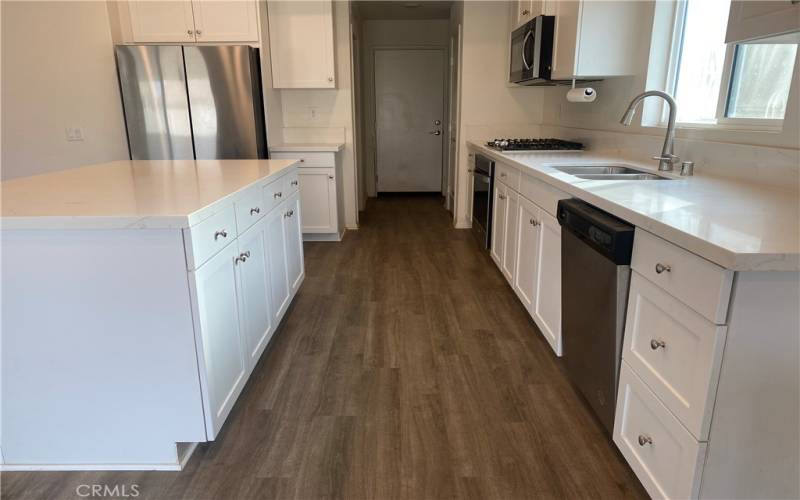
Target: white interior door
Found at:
409, 109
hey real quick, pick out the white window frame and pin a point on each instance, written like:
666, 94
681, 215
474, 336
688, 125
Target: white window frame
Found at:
721, 121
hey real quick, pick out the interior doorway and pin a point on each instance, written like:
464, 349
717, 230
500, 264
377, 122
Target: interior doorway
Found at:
404, 106
409, 114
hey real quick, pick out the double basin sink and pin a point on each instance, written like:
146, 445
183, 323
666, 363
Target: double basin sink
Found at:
609, 173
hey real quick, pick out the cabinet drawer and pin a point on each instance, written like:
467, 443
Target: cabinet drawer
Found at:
541, 193
698, 283
507, 175
274, 194
249, 209
676, 352
210, 236
663, 455
308, 159
291, 183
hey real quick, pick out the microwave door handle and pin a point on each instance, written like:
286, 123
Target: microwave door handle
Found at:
524, 45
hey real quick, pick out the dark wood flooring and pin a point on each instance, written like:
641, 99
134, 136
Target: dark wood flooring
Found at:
406, 368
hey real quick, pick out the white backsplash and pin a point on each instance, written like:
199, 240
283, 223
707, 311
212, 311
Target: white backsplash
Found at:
758, 164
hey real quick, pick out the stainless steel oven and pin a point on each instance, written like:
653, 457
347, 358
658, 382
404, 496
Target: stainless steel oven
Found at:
483, 183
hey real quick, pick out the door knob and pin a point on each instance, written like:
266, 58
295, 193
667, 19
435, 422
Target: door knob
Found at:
436, 132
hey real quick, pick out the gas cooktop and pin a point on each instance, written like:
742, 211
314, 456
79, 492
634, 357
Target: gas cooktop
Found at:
534, 145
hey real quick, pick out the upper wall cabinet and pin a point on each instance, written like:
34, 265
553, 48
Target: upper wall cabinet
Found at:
596, 39
755, 20
301, 44
525, 10
197, 21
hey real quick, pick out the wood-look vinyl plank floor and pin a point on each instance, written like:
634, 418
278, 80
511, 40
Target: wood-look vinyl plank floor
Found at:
406, 368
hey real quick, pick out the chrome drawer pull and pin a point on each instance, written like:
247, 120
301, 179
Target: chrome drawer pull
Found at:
254, 211
219, 233
502, 174
655, 344
643, 440
247, 254
534, 222
277, 195
660, 268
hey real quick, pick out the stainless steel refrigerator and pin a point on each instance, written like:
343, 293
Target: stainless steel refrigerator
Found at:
186, 102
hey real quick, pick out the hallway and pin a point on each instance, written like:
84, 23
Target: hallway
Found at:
406, 368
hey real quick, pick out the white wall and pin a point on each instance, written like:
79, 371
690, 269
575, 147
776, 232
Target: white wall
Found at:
489, 105
614, 94
58, 71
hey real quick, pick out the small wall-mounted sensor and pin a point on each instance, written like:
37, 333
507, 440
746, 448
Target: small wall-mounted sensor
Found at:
586, 94
73, 134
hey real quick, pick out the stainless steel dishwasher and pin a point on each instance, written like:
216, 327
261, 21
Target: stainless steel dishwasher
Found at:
595, 272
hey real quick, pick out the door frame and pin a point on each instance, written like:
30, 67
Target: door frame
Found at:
371, 170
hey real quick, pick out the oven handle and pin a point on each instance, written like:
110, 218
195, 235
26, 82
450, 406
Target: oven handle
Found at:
479, 176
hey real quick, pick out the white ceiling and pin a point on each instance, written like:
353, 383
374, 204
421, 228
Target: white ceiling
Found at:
401, 9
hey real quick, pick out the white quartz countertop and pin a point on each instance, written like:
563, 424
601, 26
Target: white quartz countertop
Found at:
130, 194
738, 225
307, 148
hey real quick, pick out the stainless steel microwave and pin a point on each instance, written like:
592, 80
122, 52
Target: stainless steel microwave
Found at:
532, 51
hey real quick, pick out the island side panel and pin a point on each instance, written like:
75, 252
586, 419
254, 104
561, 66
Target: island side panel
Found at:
754, 441
99, 364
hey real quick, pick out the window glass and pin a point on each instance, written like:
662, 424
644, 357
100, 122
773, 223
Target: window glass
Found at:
762, 75
701, 60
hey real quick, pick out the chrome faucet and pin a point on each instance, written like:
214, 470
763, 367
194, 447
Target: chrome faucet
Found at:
667, 160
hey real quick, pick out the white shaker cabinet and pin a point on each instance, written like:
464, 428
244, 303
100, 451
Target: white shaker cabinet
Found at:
301, 44
546, 310
223, 363
161, 21
255, 306
499, 209
195, 21
525, 10
276, 250
595, 39
527, 249
294, 243
321, 189
751, 20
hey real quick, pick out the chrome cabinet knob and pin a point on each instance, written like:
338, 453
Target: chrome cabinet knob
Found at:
645, 440
198, 32
502, 197
221, 233
330, 177
302, 160
534, 222
526, 12
294, 183
247, 254
330, 78
255, 210
502, 174
189, 32
655, 344
660, 268
277, 195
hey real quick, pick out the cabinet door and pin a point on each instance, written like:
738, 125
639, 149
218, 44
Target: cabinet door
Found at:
565, 41
499, 223
751, 20
161, 21
301, 44
510, 232
276, 255
225, 21
527, 252
318, 200
547, 302
295, 268
255, 311
223, 360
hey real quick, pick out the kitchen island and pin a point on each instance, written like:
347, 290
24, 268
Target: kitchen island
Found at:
137, 298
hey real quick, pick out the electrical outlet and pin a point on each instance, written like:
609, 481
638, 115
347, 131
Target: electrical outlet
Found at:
73, 134
313, 112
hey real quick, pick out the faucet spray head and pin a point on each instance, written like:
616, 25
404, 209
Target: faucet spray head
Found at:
627, 118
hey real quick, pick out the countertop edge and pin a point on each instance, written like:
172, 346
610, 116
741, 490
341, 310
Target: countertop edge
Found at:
721, 256
334, 147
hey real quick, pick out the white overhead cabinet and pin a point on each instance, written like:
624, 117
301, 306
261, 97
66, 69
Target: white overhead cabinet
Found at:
301, 44
762, 20
197, 21
523, 11
595, 39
